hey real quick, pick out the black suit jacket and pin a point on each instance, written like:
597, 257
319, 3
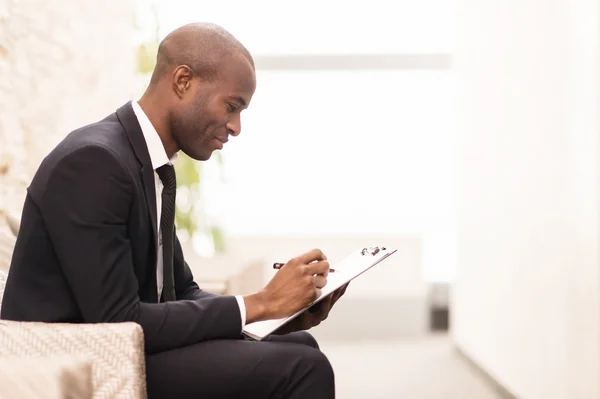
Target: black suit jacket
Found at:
86, 250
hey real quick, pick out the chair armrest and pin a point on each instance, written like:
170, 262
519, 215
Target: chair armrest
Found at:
52, 377
115, 350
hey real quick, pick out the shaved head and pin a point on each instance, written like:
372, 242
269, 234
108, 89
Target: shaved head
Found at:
201, 46
203, 79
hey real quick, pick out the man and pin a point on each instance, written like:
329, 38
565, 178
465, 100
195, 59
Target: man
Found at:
97, 240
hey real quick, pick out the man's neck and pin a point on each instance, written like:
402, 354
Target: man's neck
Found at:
158, 115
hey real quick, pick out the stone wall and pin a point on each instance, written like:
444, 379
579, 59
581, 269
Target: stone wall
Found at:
61, 65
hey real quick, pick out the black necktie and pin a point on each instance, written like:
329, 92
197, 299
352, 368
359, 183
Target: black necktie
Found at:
167, 226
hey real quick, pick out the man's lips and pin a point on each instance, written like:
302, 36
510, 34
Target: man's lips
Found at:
220, 141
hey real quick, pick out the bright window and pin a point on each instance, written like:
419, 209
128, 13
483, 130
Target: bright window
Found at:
339, 151
344, 152
370, 149
323, 26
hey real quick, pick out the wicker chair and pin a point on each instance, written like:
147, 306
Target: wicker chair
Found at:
53, 360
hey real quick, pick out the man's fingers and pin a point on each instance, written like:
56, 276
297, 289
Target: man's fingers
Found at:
340, 291
309, 320
317, 293
311, 256
316, 308
320, 281
323, 306
327, 304
320, 267
336, 295
327, 301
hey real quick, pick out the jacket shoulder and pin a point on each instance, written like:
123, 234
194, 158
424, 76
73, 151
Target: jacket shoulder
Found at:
106, 137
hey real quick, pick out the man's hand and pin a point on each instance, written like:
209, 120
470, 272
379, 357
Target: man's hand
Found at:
314, 315
294, 286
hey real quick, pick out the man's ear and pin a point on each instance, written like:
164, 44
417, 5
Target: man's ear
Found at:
182, 77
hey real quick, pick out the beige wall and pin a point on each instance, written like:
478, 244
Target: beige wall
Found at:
61, 66
526, 305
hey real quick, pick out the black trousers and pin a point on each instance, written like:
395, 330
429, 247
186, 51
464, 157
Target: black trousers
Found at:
287, 366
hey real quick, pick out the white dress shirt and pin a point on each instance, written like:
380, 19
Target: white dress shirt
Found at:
158, 157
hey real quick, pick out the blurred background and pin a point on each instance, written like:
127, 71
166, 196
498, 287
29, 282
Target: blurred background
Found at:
463, 133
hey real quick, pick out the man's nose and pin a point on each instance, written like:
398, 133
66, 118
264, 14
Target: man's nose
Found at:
234, 127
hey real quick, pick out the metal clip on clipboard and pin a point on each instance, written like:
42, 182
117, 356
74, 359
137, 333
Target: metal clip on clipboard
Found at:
371, 250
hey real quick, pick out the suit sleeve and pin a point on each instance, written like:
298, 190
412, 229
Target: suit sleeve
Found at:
85, 207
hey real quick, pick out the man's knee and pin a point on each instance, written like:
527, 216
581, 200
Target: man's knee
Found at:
297, 370
307, 338
313, 375
294, 371
318, 361
297, 337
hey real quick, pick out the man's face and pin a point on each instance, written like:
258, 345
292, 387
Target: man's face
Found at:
209, 112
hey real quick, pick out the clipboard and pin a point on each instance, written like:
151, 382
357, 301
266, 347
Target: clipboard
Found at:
346, 270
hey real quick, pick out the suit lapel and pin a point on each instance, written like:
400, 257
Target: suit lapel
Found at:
136, 138
147, 174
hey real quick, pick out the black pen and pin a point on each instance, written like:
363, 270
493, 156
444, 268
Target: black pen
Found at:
280, 265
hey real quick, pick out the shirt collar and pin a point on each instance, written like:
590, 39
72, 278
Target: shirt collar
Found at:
158, 155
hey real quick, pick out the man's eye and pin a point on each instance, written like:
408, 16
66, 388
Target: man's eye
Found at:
232, 107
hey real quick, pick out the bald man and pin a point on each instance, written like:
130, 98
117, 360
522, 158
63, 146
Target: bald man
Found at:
97, 241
